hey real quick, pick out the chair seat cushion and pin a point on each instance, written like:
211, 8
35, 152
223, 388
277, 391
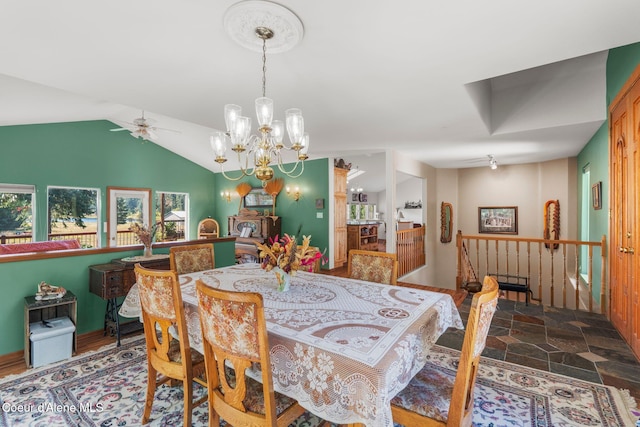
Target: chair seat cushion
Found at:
428, 394
254, 399
175, 355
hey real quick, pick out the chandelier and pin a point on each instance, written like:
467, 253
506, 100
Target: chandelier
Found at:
257, 153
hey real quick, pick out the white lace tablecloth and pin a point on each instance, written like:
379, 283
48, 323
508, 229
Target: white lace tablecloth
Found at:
342, 347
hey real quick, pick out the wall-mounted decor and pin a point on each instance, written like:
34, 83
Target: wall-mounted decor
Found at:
258, 198
596, 191
319, 203
362, 197
498, 220
446, 222
552, 222
413, 205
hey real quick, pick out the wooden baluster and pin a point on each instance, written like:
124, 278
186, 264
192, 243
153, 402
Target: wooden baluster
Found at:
540, 271
577, 275
589, 278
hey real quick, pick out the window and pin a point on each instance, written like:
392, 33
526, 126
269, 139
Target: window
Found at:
172, 215
73, 214
16, 213
126, 206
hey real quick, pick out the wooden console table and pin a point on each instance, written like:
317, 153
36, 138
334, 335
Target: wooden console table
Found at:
113, 280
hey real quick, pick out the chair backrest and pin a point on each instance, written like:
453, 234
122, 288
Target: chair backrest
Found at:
373, 266
483, 306
234, 335
191, 258
162, 313
208, 228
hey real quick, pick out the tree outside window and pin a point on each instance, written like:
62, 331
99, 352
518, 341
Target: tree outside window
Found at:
16, 213
72, 214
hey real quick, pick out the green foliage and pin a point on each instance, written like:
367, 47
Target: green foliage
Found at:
122, 210
15, 211
70, 205
170, 229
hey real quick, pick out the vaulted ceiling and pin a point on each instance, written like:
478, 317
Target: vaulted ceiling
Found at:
445, 82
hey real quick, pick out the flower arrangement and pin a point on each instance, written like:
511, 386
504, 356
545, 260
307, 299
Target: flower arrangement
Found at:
285, 254
144, 235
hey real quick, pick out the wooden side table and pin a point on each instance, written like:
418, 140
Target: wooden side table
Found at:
39, 310
113, 280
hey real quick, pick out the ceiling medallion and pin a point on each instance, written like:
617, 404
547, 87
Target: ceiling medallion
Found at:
242, 19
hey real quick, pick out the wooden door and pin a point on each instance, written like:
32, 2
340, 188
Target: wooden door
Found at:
617, 182
624, 181
631, 212
340, 217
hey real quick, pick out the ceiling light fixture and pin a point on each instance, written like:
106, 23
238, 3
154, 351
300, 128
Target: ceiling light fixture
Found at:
492, 162
256, 153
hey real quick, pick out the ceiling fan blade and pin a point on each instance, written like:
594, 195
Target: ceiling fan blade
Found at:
166, 130
118, 129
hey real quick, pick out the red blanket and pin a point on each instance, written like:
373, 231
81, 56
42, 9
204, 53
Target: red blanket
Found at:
53, 245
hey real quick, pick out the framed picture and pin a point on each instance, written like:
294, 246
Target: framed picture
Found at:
363, 197
498, 220
596, 191
258, 198
355, 197
319, 203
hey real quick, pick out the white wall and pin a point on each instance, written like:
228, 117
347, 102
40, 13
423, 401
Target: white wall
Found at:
526, 186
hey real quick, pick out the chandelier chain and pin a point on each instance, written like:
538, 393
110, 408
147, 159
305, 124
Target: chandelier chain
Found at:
264, 67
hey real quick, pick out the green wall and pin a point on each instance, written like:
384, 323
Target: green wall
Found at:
620, 64
301, 215
87, 154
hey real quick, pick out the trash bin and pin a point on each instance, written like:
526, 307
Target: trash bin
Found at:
51, 340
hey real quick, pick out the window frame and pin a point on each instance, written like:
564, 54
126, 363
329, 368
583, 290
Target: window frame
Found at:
24, 189
112, 220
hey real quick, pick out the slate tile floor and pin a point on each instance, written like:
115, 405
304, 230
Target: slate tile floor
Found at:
573, 343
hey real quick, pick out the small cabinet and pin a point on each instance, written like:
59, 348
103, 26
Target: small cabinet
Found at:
363, 237
41, 310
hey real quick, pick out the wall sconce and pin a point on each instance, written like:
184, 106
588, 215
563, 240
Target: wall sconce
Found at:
226, 195
295, 193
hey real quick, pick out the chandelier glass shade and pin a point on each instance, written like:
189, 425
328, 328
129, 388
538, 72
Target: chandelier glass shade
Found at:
257, 153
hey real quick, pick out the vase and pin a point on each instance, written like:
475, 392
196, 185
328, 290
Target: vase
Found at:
283, 279
147, 253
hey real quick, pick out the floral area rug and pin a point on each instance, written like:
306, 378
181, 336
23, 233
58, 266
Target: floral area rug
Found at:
512, 395
107, 388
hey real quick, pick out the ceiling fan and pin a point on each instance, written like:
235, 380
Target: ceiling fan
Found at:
143, 128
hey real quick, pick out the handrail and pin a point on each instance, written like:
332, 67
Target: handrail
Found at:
544, 266
410, 249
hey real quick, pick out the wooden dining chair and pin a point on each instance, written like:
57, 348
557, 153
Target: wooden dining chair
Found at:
373, 266
168, 357
435, 397
234, 332
191, 258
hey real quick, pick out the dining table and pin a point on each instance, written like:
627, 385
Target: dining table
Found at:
343, 348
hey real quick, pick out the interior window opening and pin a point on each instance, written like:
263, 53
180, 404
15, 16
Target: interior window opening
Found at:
73, 214
172, 216
16, 213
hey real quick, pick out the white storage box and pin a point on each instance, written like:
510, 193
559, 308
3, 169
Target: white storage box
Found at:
51, 340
